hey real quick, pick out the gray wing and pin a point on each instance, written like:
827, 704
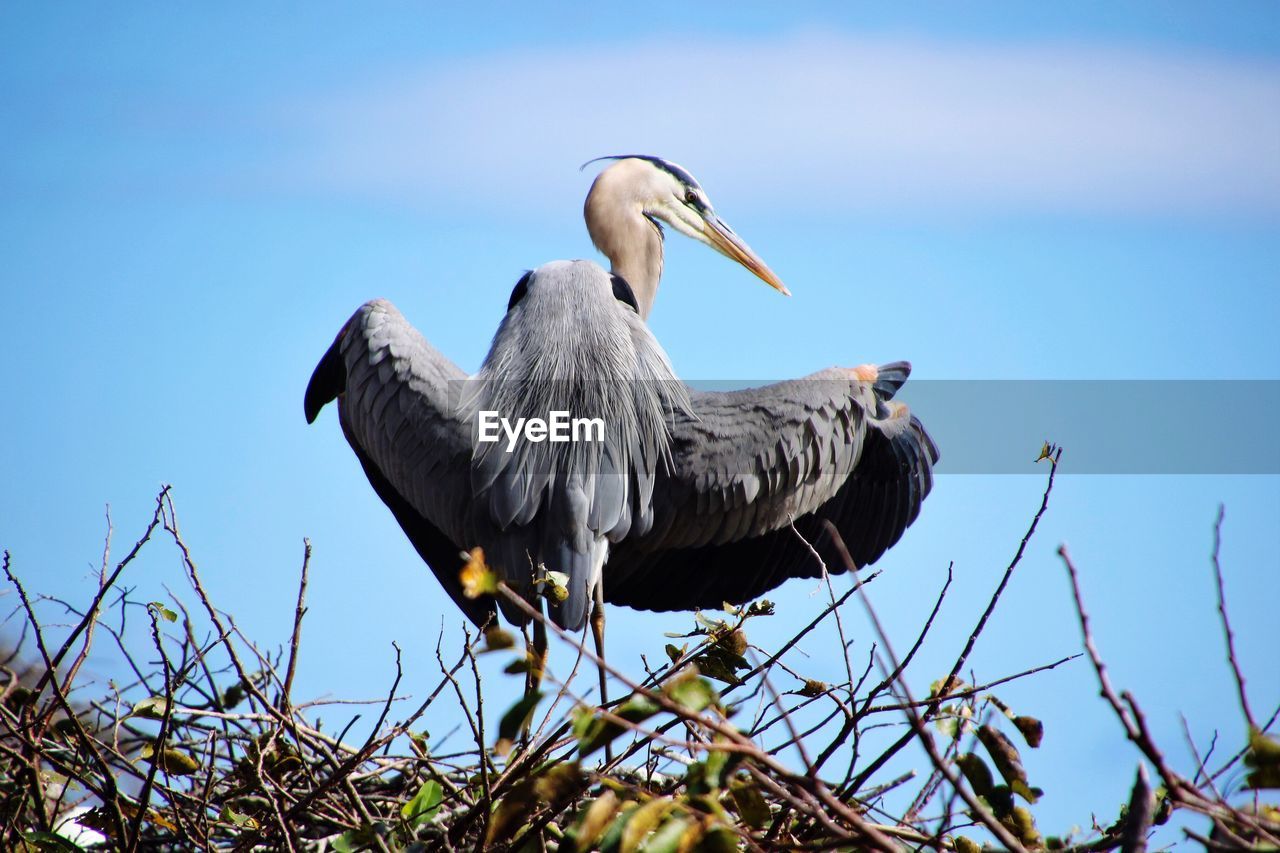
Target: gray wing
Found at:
831, 447
396, 407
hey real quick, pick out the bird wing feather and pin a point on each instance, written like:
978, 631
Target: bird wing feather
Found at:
397, 403
832, 447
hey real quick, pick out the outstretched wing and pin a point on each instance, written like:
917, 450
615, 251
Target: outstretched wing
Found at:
397, 409
832, 447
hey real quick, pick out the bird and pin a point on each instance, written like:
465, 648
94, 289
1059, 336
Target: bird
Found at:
691, 500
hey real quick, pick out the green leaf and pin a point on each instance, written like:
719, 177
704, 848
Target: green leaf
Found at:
1023, 825
233, 696
66, 726
612, 838
813, 687
719, 839
637, 708
50, 841
20, 696
1032, 730
512, 809
749, 802
1025, 791
734, 641
557, 584
516, 720
175, 762
354, 840
977, 773
583, 717
1263, 751
151, 708
517, 716
1263, 759
716, 763
158, 608
713, 625
1007, 761
519, 666
554, 787
596, 819
699, 780
244, 821
424, 805
643, 821
669, 837
497, 639
948, 688
690, 691
1000, 798
558, 783
722, 665
1265, 778
594, 732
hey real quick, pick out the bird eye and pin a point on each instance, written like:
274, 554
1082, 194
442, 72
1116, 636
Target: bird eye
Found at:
690, 197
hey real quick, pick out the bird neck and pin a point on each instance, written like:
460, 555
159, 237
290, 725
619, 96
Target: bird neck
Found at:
641, 265
631, 242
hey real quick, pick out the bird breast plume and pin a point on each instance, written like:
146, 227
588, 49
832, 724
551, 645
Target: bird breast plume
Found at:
572, 345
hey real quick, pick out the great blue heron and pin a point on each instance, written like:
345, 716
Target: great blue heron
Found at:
689, 500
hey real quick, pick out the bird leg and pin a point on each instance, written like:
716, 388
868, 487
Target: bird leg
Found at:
536, 654
528, 660
597, 630
535, 658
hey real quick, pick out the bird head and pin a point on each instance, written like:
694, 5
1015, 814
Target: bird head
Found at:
665, 192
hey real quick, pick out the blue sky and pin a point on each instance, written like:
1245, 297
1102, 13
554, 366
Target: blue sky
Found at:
191, 204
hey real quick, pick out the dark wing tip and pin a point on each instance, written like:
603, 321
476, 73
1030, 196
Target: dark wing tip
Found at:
925, 440
328, 380
890, 378
520, 290
623, 293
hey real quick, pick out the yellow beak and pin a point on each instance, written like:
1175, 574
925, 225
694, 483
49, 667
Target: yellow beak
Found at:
721, 238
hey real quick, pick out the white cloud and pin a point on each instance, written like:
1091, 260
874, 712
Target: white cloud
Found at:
851, 123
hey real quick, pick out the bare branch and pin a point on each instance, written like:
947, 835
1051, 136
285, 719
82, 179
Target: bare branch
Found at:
1219, 586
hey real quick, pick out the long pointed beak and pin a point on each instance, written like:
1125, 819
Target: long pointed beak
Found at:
721, 238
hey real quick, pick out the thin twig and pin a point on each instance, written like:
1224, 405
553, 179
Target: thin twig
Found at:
936, 701
295, 638
1220, 587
